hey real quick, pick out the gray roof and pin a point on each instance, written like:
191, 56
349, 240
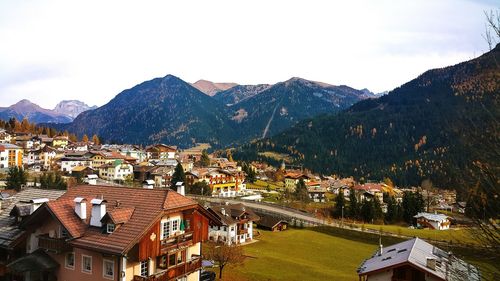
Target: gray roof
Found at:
232, 212
416, 251
8, 230
431, 217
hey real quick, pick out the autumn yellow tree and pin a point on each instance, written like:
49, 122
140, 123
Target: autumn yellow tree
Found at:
85, 138
95, 140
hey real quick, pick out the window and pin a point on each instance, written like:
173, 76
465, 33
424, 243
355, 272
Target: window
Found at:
110, 228
108, 269
232, 228
144, 268
175, 225
166, 229
70, 260
162, 262
171, 260
188, 224
86, 264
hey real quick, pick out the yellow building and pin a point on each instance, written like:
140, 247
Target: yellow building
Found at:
10, 156
60, 141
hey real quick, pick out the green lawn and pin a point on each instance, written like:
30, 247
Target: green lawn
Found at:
301, 255
260, 184
320, 253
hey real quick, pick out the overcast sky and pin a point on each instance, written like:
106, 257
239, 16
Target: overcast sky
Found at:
92, 50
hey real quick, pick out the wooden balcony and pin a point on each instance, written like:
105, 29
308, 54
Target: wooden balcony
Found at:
56, 245
173, 272
242, 231
176, 242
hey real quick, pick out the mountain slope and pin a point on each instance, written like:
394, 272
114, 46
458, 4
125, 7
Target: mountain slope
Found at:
166, 110
239, 93
33, 112
433, 126
286, 103
211, 88
72, 108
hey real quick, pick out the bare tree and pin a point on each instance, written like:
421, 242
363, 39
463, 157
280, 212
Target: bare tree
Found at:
492, 25
223, 254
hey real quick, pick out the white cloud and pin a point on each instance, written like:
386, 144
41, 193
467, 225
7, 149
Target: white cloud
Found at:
92, 50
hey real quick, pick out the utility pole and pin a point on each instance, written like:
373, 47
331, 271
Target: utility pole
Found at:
342, 222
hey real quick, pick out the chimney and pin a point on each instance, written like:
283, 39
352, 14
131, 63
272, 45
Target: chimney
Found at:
431, 263
98, 211
36, 203
80, 207
180, 188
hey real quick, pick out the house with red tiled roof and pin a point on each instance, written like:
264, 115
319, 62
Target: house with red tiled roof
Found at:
114, 233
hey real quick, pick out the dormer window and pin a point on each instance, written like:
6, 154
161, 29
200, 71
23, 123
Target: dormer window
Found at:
110, 228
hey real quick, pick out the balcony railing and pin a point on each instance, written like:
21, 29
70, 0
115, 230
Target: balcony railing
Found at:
176, 242
173, 272
57, 245
242, 231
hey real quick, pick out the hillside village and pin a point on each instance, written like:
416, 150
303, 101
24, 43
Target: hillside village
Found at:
100, 180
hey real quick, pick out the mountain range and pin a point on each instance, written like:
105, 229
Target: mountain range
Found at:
170, 110
64, 112
436, 126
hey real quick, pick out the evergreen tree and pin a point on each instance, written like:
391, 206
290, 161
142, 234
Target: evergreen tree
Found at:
413, 203
200, 188
339, 204
377, 209
353, 205
178, 176
367, 210
392, 210
301, 191
16, 178
205, 159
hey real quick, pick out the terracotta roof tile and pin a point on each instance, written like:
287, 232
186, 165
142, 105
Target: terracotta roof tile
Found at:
138, 208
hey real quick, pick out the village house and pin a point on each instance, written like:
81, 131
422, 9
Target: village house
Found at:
292, 178
433, 221
222, 182
116, 171
25, 141
42, 156
235, 224
100, 158
316, 192
272, 223
10, 156
14, 209
5, 137
60, 141
161, 152
69, 163
114, 233
415, 260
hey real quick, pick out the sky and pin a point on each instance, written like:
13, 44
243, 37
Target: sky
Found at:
92, 50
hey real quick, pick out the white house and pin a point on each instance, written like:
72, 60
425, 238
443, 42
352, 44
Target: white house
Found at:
415, 259
116, 171
237, 224
433, 221
68, 163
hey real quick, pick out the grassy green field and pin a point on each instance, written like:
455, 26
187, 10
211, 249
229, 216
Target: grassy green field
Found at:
321, 253
260, 184
301, 255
